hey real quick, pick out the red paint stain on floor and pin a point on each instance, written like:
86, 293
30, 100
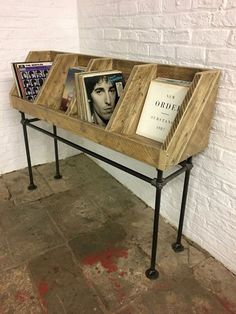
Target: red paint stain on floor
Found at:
230, 307
204, 309
119, 292
122, 273
20, 296
117, 285
161, 286
107, 258
42, 291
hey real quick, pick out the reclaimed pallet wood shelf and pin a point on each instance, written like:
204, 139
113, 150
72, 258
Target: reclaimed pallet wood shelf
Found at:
189, 133
187, 137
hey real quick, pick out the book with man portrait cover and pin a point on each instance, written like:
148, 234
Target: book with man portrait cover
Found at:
98, 94
68, 100
160, 108
29, 77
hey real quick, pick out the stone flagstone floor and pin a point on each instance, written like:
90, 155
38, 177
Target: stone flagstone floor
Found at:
81, 245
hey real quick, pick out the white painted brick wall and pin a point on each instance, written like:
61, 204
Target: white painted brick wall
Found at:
24, 26
184, 32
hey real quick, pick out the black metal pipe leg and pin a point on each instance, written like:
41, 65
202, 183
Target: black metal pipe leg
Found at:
58, 175
31, 186
151, 272
177, 246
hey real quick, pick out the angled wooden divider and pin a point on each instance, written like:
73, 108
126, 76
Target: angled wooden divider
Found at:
189, 132
128, 109
51, 92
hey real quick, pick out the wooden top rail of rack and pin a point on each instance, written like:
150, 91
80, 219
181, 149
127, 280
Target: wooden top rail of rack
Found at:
188, 135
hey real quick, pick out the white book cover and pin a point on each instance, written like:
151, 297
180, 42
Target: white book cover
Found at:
160, 108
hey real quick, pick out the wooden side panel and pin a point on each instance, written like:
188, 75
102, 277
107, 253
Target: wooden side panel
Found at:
127, 112
51, 92
187, 130
201, 132
100, 64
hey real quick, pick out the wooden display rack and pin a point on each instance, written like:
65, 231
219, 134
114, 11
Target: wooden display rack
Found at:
188, 135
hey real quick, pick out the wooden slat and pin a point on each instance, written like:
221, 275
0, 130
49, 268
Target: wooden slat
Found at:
51, 92
200, 135
83, 60
101, 64
183, 134
164, 70
125, 66
72, 110
182, 110
177, 72
135, 108
53, 54
127, 111
39, 56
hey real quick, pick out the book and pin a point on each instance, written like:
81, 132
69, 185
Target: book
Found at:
98, 94
29, 77
160, 108
69, 92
